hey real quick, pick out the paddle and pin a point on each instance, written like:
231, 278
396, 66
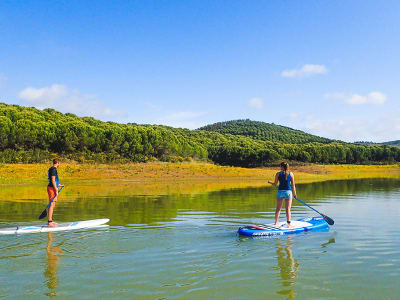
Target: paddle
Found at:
44, 213
326, 218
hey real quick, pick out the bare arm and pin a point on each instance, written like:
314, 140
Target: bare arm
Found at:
276, 180
293, 185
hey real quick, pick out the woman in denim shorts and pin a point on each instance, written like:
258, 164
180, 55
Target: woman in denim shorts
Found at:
286, 191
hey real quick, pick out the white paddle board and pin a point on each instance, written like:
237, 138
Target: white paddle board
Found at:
60, 227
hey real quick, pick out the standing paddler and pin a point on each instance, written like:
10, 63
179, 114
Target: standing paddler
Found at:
52, 190
286, 191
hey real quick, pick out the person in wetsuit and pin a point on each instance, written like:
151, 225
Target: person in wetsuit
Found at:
286, 191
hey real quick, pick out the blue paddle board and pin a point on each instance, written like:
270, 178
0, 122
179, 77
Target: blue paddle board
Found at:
300, 225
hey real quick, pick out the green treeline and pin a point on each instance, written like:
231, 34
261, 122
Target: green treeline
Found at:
31, 135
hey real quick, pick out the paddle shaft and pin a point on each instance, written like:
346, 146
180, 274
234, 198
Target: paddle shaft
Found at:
308, 205
326, 218
44, 212
48, 205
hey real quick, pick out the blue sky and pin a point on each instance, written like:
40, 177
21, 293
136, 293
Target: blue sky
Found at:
326, 67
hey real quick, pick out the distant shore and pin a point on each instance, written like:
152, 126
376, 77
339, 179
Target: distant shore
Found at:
16, 174
26, 182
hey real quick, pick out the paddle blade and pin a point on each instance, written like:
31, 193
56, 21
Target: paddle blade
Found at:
328, 220
43, 214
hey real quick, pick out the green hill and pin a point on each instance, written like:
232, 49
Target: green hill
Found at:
265, 132
392, 143
30, 135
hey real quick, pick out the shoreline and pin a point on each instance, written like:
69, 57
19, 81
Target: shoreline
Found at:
23, 174
26, 183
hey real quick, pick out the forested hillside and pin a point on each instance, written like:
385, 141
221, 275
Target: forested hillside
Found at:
265, 132
392, 143
32, 135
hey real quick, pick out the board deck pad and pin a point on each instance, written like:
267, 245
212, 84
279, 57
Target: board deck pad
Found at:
60, 227
300, 225
295, 224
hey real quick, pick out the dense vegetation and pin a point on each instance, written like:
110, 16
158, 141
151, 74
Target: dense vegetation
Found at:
265, 132
32, 135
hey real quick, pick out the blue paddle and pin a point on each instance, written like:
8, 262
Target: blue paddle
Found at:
44, 213
326, 218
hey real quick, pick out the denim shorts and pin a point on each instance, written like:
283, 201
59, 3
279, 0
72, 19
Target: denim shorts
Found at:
285, 194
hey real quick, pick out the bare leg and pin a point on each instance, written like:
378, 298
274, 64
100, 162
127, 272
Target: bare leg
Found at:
279, 203
288, 206
51, 209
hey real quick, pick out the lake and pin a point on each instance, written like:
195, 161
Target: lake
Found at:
185, 246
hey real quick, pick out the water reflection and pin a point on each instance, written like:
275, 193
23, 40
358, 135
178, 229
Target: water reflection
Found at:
125, 209
331, 241
50, 271
192, 252
287, 266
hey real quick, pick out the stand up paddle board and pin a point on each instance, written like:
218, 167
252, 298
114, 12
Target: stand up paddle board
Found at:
60, 227
300, 225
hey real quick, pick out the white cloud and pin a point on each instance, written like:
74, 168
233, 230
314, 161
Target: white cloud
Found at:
182, 119
305, 71
371, 98
376, 98
63, 99
381, 129
293, 115
256, 103
357, 99
44, 97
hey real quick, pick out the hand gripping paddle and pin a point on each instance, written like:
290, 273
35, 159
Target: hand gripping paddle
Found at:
44, 213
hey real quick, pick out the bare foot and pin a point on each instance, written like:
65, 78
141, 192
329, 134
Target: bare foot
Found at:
52, 224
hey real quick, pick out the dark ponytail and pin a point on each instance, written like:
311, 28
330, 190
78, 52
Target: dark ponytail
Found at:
285, 167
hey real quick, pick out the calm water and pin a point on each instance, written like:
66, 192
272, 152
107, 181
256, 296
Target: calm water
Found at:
186, 247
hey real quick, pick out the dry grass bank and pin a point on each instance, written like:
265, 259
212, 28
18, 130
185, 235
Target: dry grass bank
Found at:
19, 182
173, 172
